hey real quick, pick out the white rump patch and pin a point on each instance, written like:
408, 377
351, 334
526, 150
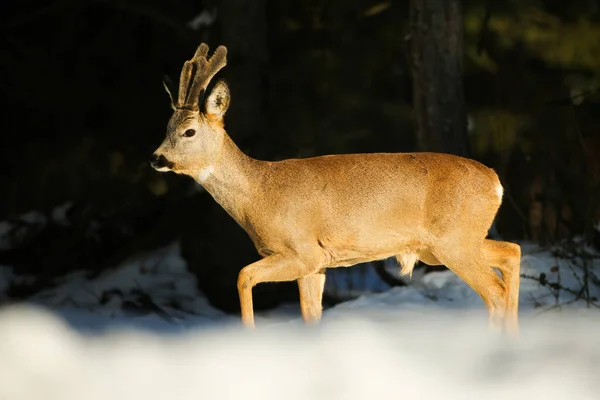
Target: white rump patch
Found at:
204, 173
499, 190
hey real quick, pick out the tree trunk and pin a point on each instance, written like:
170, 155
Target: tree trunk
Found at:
436, 47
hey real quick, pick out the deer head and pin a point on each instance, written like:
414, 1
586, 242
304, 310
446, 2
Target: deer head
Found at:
195, 133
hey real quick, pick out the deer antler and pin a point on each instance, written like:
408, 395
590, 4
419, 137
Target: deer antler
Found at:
199, 71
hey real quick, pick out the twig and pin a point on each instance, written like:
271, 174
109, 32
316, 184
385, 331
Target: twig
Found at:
553, 285
573, 272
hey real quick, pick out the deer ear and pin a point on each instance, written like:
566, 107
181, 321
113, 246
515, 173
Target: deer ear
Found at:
217, 101
168, 84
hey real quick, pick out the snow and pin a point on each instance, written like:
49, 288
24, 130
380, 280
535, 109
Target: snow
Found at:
121, 297
15, 231
379, 355
346, 283
94, 338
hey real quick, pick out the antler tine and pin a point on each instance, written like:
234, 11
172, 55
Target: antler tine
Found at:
205, 71
201, 52
187, 73
184, 83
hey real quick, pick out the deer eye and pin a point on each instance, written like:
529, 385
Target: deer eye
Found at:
189, 133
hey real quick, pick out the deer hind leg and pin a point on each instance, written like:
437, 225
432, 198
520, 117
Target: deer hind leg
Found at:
484, 280
428, 258
273, 268
311, 296
506, 257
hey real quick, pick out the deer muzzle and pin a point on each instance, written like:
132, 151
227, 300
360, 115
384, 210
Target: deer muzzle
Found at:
160, 163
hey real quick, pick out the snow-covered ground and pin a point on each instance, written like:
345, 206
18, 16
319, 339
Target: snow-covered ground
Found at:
94, 339
430, 356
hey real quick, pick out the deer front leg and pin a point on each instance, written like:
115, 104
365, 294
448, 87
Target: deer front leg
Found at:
311, 296
273, 268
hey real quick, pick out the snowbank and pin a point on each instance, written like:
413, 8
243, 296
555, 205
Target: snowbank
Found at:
373, 356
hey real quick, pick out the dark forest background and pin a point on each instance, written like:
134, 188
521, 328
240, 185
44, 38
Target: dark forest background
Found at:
513, 84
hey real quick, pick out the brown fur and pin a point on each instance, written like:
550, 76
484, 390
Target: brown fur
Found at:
305, 215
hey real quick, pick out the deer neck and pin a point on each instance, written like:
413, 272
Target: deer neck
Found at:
230, 179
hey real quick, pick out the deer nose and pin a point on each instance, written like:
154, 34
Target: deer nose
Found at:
159, 161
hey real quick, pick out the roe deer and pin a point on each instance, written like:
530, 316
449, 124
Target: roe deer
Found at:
306, 215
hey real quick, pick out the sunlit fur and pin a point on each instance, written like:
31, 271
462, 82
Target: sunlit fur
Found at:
191, 154
305, 215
